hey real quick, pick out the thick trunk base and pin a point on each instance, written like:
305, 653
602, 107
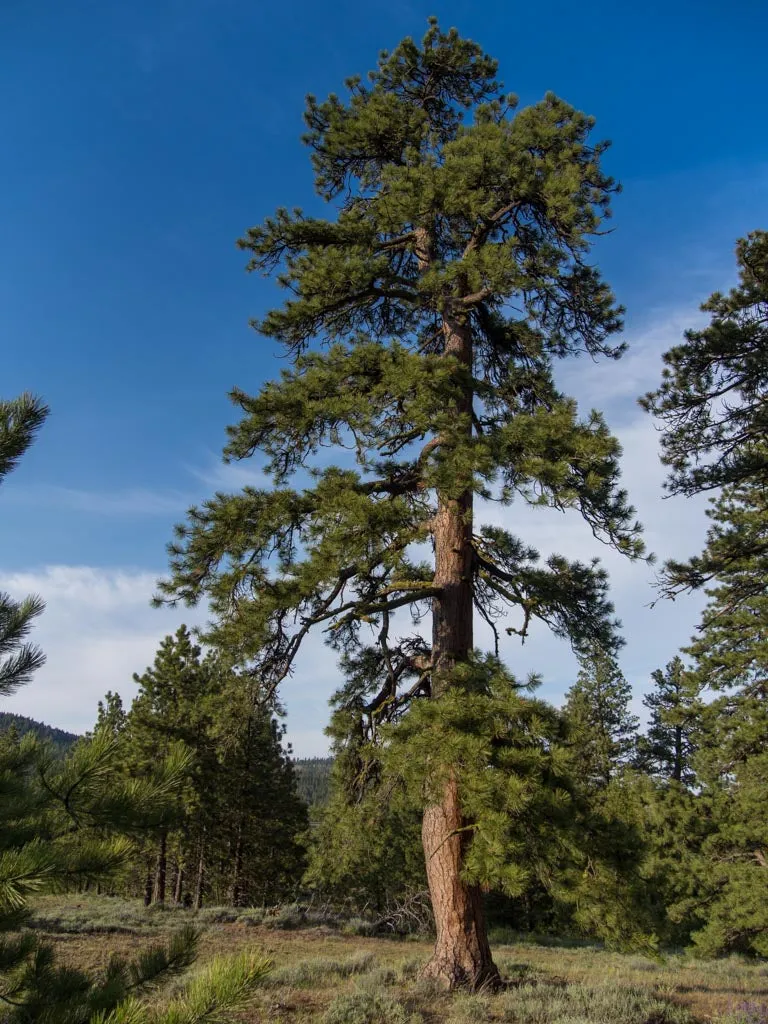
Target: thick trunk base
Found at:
452, 970
462, 956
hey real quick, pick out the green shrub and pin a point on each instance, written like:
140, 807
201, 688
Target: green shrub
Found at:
358, 926
217, 915
365, 1007
586, 1004
288, 916
252, 918
319, 972
468, 1009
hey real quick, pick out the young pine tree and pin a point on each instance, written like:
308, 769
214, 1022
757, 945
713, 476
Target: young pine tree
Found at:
175, 703
602, 729
111, 716
668, 747
259, 820
425, 315
366, 849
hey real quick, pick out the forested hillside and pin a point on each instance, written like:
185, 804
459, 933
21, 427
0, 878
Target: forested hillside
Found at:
61, 740
313, 779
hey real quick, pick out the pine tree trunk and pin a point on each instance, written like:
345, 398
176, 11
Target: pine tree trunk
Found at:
148, 886
237, 872
677, 770
160, 871
177, 891
462, 956
200, 877
237, 868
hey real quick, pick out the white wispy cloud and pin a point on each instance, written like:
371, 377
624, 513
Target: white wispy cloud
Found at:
132, 502
218, 475
141, 502
614, 387
97, 630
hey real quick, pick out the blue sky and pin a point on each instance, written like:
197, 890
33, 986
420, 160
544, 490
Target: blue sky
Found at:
141, 139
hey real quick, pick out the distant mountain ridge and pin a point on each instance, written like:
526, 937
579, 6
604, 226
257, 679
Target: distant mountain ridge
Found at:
59, 738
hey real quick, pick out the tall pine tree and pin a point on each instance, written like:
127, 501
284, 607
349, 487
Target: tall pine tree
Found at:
259, 819
668, 747
712, 404
602, 728
174, 704
236, 835
732, 765
423, 320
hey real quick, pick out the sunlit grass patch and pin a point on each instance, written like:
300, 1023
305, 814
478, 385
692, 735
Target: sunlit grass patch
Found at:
321, 972
587, 1004
365, 1007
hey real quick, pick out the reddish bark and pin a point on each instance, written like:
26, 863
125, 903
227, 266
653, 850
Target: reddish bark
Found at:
462, 956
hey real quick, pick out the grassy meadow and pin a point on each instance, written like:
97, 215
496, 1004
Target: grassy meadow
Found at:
333, 975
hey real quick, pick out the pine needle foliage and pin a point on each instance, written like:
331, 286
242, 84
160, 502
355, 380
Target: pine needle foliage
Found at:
712, 398
76, 821
730, 645
530, 827
20, 420
516, 781
438, 214
712, 407
66, 823
668, 748
218, 992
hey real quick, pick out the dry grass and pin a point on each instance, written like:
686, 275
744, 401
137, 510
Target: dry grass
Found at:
324, 976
